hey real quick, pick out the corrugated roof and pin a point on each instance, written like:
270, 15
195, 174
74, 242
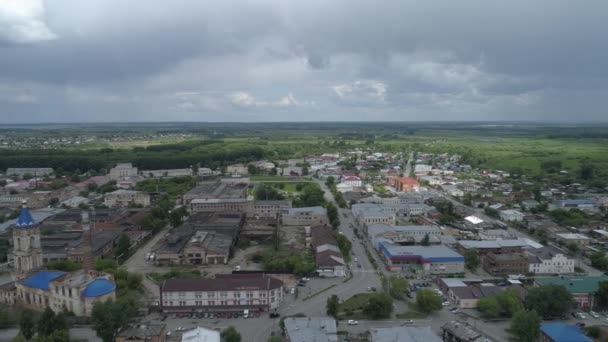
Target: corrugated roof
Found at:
41, 279
574, 284
226, 282
560, 332
404, 334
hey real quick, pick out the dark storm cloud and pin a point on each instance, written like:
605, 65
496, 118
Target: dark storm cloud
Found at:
288, 60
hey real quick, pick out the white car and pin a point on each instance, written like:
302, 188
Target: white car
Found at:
352, 322
356, 259
594, 314
306, 279
446, 303
407, 321
293, 291
581, 316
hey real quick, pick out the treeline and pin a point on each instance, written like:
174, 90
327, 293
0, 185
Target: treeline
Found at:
213, 154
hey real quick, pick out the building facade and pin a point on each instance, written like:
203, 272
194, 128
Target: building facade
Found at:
424, 259
224, 293
124, 198
268, 209
548, 260
505, 264
307, 216
123, 171
27, 250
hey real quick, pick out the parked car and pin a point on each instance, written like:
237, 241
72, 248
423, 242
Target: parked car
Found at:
352, 322
407, 321
581, 315
446, 303
274, 315
356, 259
306, 279
594, 314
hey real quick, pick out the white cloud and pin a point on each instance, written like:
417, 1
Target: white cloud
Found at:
22, 21
360, 92
246, 100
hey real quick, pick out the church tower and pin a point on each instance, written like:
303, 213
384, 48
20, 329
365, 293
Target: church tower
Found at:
88, 261
27, 252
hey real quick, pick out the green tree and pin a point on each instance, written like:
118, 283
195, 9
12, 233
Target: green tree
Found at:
599, 260
265, 192
489, 307
525, 326
230, 334
56, 336
601, 295
5, 319
549, 301
345, 245
509, 302
27, 326
425, 240
275, 339
123, 245
379, 306
108, 317
471, 259
46, 323
332, 306
428, 301
399, 288
330, 181
310, 196
593, 331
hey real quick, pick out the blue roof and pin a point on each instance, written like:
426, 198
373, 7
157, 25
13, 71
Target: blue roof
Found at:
560, 332
41, 279
99, 287
25, 218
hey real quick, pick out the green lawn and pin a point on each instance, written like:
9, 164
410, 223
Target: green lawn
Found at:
413, 313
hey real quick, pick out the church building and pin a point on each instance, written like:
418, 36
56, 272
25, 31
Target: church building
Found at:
36, 288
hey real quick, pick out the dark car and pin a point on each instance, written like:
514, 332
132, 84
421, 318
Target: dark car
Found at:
274, 315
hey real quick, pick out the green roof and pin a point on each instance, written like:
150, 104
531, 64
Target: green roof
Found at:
574, 284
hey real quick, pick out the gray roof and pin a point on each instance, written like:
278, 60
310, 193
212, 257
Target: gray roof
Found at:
403, 334
38, 215
376, 229
142, 331
315, 210
311, 329
493, 243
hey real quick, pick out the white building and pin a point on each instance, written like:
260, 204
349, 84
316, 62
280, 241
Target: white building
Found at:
166, 173
123, 171
237, 170
549, 260
511, 215
123, 198
353, 181
226, 292
199, 334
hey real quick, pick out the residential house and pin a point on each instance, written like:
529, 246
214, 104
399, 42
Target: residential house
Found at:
562, 332
306, 216
403, 184
142, 333
330, 261
123, 171
511, 215
575, 238
301, 329
505, 264
237, 170
352, 181
582, 288
549, 260
403, 334
126, 198
456, 331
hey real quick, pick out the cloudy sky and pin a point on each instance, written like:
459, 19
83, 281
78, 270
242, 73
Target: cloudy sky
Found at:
313, 60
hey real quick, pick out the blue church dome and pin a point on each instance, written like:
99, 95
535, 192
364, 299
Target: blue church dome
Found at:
25, 218
99, 287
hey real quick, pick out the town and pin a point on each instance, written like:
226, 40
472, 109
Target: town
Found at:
352, 244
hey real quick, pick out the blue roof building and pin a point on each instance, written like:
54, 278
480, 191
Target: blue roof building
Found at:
561, 332
41, 279
98, 287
